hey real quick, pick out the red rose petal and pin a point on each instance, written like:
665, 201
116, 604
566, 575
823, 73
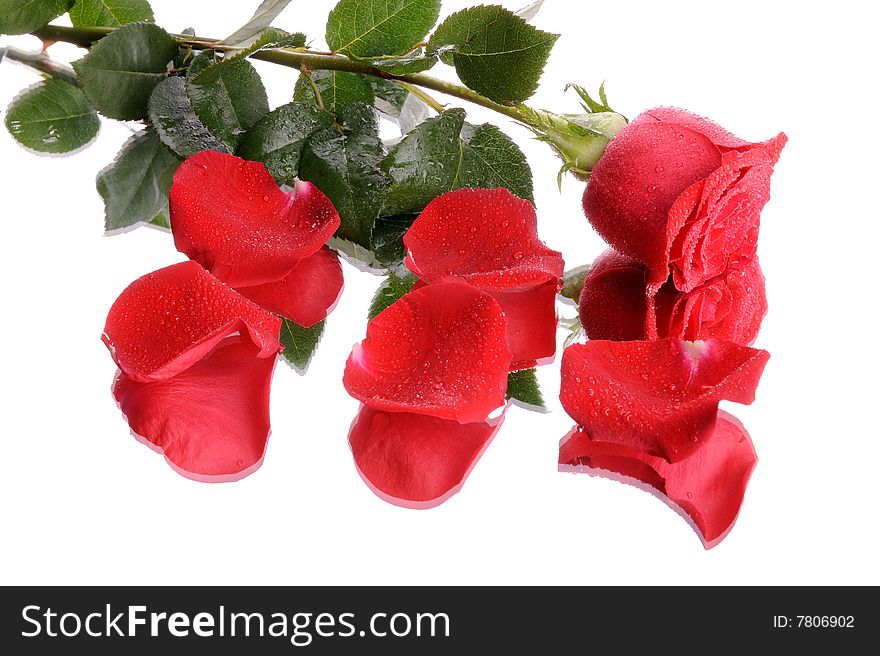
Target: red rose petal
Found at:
707, 487
657, 397
488, 237
712, 131
531, 321
717, 222
416, 461
228, 215
212, 420
306, 294
642, 173
709, 129
731, 306
440, 350
167, 320
613, 302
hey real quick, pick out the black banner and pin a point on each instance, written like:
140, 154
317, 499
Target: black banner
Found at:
340, 620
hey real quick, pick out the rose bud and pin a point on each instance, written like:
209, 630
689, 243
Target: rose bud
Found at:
682, 195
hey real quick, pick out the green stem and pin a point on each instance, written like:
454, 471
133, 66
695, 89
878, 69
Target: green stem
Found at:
42, 63
86, 36
429, 100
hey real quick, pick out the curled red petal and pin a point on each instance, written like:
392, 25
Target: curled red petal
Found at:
613, 303
210, 421
531, 321
658, 397
730, 306
716, 222
440, 350
707, 487
306, 294
230, 216
416, 461
170, 319
488, 237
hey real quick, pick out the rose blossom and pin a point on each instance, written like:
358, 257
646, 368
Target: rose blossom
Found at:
681, 195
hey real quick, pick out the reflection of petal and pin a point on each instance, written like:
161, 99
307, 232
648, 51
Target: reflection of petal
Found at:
306, 294
657, 397
210, 421
416, 461
707, 488
441, 350
230, 216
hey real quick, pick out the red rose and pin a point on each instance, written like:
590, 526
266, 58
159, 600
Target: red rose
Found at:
195, 364
647, 411
658, 397
431, 370
230, 216
489, 238
681, 195
195, 355
615, 303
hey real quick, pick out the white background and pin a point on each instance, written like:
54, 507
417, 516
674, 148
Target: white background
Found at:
82, 502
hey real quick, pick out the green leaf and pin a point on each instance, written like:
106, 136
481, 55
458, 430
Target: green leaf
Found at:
364, 257
162, 219
522, 386
573, 282
575, 334
495, 52
52, 117
443, 154
300, 343
367, 28
278, 139
122, 69
345, 166
263, 16
388, 248
23, 16
425, 164
109, 13
231, 104
338, 90
389, 97
492, 159
135, 186
172, 115
392, 289
269, 38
